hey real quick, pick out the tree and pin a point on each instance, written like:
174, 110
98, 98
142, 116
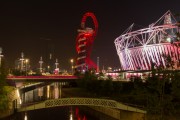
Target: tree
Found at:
176, 91
159, 94
3, 92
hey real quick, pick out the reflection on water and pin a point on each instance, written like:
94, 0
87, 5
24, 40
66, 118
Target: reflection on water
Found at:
53, 91
48, 91
25, 116
78, 115
56, 90
71, 114
63, 113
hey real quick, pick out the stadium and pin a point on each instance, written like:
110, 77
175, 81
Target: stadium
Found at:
151, 47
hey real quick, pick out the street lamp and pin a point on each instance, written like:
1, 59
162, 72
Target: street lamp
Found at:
72, 65
97, 65
0, 56
48, 68
26, 61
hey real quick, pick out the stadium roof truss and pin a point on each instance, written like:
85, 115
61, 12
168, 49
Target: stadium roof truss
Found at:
138, 50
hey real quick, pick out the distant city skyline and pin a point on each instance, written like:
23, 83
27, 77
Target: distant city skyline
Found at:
26, 27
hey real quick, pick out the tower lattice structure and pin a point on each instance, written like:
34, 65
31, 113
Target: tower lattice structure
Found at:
84, 42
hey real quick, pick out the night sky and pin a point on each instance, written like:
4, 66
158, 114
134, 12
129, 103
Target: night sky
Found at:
30, 26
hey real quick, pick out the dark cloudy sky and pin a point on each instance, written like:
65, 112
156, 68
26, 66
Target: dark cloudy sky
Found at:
28, 26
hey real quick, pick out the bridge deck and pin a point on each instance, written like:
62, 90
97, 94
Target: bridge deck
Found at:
42, 78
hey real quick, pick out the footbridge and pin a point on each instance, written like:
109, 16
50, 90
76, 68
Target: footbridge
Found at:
81, 101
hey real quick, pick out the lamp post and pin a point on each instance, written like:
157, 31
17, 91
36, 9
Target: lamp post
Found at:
0, 56
97, 65
22, 62
26, 61
40, 65
48, 67
72, 65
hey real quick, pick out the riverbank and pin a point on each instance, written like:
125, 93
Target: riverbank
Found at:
12, 96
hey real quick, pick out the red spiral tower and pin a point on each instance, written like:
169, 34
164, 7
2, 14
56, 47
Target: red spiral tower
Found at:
84, 42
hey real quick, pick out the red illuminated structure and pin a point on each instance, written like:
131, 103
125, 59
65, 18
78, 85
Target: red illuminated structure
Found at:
84, 42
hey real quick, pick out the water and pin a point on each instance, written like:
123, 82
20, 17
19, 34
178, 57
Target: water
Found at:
54, 91
57, 113
61, 113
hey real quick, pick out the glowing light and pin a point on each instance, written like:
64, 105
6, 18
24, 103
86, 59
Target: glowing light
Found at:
25, 116
72, 65
26, 60
109, 68
56, 91
60, 92
144, 47
18, 95
40, 92
168, 39
20, 101
71, 116
48, 90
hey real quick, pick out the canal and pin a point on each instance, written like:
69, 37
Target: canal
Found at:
30, 95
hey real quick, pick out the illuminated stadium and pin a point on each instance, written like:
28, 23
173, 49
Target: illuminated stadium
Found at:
141, 49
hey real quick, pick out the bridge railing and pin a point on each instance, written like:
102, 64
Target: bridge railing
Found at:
81, 101
53, 77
